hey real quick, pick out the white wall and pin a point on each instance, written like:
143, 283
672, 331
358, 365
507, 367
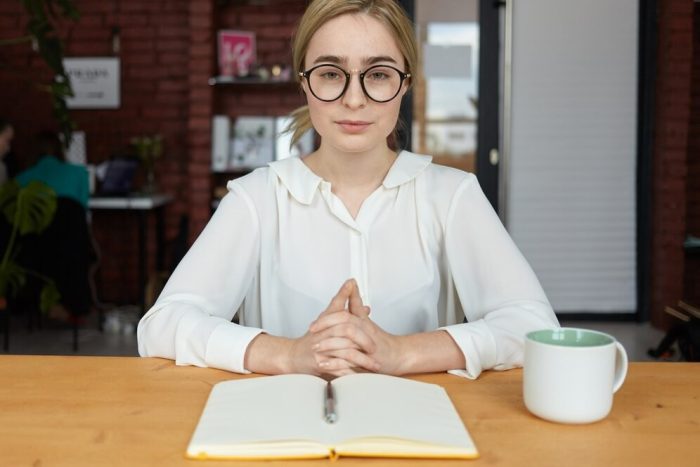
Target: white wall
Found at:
571, 169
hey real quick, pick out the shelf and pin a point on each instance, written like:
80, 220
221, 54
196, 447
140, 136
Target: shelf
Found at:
229, 81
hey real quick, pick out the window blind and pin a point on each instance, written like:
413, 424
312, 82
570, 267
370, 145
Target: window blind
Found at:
571, 170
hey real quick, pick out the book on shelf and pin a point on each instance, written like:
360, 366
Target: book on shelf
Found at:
283, 417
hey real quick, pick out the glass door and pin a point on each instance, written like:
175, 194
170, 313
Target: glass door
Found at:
455, 105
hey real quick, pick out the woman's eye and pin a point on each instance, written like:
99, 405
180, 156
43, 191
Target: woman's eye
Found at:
378, 76
330, 75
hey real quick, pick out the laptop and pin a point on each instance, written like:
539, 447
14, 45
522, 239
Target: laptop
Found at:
118, 177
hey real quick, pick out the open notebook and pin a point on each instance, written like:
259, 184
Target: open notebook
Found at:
282, 417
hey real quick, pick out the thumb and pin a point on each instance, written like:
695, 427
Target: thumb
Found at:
338, 303
355, 304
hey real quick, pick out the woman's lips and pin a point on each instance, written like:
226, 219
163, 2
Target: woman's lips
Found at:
353, 126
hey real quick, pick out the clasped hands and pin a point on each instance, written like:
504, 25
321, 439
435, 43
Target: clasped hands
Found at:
344, 340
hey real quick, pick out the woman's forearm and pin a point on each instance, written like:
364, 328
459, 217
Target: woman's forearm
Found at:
429, 352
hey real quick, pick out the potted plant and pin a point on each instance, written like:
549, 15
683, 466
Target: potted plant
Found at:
27, 210
148, 149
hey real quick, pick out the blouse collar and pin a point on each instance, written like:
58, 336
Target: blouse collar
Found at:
303, 184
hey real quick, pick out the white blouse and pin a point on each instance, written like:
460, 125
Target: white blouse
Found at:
426, 249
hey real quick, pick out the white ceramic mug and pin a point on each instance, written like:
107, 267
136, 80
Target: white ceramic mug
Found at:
570, 375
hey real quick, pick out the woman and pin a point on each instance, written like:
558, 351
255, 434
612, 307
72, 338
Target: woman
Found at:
419, 243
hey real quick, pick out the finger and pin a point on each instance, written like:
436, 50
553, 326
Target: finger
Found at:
355, 333
361, 312
334, 343
355, 301
340, 299
349, 358
326, 321
355, 304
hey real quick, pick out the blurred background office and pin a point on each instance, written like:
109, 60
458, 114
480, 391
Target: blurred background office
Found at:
580, 119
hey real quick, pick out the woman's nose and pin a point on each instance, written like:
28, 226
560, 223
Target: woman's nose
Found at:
354, 96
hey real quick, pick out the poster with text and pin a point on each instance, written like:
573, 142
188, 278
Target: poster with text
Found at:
95, 82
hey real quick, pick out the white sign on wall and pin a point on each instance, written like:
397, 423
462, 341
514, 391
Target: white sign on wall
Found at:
95, 82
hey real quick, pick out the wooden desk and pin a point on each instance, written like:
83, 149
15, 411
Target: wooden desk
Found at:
88, 411
141, 204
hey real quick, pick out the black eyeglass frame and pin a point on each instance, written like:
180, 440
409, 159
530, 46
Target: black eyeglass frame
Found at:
348, 76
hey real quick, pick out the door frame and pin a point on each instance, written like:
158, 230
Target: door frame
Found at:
490, 84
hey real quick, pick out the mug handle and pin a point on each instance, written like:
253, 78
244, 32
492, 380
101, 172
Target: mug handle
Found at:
620, 366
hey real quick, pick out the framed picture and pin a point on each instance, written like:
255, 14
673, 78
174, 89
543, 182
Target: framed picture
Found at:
253, 143
237, 52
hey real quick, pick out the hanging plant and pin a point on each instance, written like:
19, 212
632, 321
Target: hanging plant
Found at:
41, 33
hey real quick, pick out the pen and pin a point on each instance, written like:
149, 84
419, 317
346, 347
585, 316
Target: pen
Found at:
329, 404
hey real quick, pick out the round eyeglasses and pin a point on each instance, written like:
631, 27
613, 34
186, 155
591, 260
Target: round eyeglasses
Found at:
381, 83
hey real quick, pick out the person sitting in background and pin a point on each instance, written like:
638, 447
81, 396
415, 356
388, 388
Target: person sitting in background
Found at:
67, 180
7, 132
63, 251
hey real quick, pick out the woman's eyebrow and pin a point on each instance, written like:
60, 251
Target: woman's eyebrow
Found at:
380, 58
331, 59
343, 60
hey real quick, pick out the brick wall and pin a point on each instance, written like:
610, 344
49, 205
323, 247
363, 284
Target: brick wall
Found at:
167, 55
670, 164
692, 264
168, 52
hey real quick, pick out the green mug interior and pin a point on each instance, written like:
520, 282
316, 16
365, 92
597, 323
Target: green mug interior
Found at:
570, 337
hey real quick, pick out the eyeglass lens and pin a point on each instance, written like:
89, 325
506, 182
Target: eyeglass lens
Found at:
380, 83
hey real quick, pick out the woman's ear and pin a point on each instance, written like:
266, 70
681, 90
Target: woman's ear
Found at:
405, 87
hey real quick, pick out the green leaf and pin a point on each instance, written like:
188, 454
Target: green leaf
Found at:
8, 200
35, 208
49, 297
51, 51
12, 278
68, 10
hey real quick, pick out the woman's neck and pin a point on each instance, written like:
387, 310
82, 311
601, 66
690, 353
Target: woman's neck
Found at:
350, 171
353, 176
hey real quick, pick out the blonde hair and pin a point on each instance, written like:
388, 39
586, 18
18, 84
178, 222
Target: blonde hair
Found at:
319, 12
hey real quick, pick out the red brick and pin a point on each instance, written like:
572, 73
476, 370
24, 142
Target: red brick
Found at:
201, 36
199, 123
200, 22
130, 46
9, 23
201, 7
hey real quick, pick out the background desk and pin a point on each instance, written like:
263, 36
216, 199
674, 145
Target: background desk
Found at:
88, 411
143, 205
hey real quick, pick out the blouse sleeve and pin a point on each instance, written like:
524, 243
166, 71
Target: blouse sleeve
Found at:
498, 290
191, 320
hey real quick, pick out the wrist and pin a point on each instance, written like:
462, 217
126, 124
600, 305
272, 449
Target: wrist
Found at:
270, 355
404, 355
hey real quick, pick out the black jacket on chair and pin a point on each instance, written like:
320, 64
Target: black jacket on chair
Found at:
64, 253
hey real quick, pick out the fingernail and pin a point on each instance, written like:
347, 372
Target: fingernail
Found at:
316, 346
323, 364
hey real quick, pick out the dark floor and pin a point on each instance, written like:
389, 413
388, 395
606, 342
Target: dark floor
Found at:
55, 338
119, 336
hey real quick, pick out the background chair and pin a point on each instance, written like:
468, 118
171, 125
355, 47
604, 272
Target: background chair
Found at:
64, 253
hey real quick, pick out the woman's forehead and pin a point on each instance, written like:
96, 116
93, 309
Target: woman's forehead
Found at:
356, 38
